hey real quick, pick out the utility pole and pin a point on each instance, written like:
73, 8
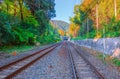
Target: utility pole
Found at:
21, 9
87, 27
115, 8
104, 45
97, 17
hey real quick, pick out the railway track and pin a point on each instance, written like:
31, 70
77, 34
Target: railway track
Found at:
75, 76
81, 67
12, 69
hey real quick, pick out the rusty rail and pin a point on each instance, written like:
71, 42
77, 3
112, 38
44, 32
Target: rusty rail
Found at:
11, 75
92, 66
75, 76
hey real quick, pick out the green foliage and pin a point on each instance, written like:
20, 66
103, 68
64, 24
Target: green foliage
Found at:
111, 28
5, 28
77, 38
22, 36
108, 59
50, 36
116, 61
31, 21
85, 17
13, 33
92, 34
23, 23
18, 49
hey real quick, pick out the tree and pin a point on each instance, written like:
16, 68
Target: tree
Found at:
26, 21
100, 13
21, 9
73, 30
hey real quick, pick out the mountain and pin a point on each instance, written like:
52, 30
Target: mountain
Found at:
60, 24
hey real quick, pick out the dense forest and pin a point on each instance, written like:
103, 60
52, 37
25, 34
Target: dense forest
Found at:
96, 19
26, 22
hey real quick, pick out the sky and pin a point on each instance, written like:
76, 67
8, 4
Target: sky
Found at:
64, 9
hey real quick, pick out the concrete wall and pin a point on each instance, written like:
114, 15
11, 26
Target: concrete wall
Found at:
109, 46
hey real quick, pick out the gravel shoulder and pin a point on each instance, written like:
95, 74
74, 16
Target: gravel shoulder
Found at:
107, 70
6, 58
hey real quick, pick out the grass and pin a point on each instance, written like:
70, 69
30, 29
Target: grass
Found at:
116, 62
101, 57
18, 49
109, 60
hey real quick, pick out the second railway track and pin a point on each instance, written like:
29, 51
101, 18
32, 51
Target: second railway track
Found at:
81, 67
10, 70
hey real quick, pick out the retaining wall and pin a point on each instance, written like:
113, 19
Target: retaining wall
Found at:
109, 46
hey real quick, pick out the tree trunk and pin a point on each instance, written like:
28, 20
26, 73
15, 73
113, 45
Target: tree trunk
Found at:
21, 9
15, 5
7, 7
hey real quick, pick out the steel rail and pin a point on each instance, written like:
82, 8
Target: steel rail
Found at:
93, 67
23, 58
11, 75
72, 63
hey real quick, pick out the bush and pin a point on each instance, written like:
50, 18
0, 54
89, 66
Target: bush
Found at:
15, 33
6, 34
22, 36
112, 28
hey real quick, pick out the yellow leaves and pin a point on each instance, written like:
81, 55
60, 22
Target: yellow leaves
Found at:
67, 33
76, 9
73, 29
98, 35
106, 10
96, 38
61, 32
85, 4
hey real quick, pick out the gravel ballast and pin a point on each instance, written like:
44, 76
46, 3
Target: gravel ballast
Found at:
55, 65
6, 60
108, 71
83, 69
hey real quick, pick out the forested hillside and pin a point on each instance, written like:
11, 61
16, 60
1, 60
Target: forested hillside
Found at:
26, 22
96, 19
61, 26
